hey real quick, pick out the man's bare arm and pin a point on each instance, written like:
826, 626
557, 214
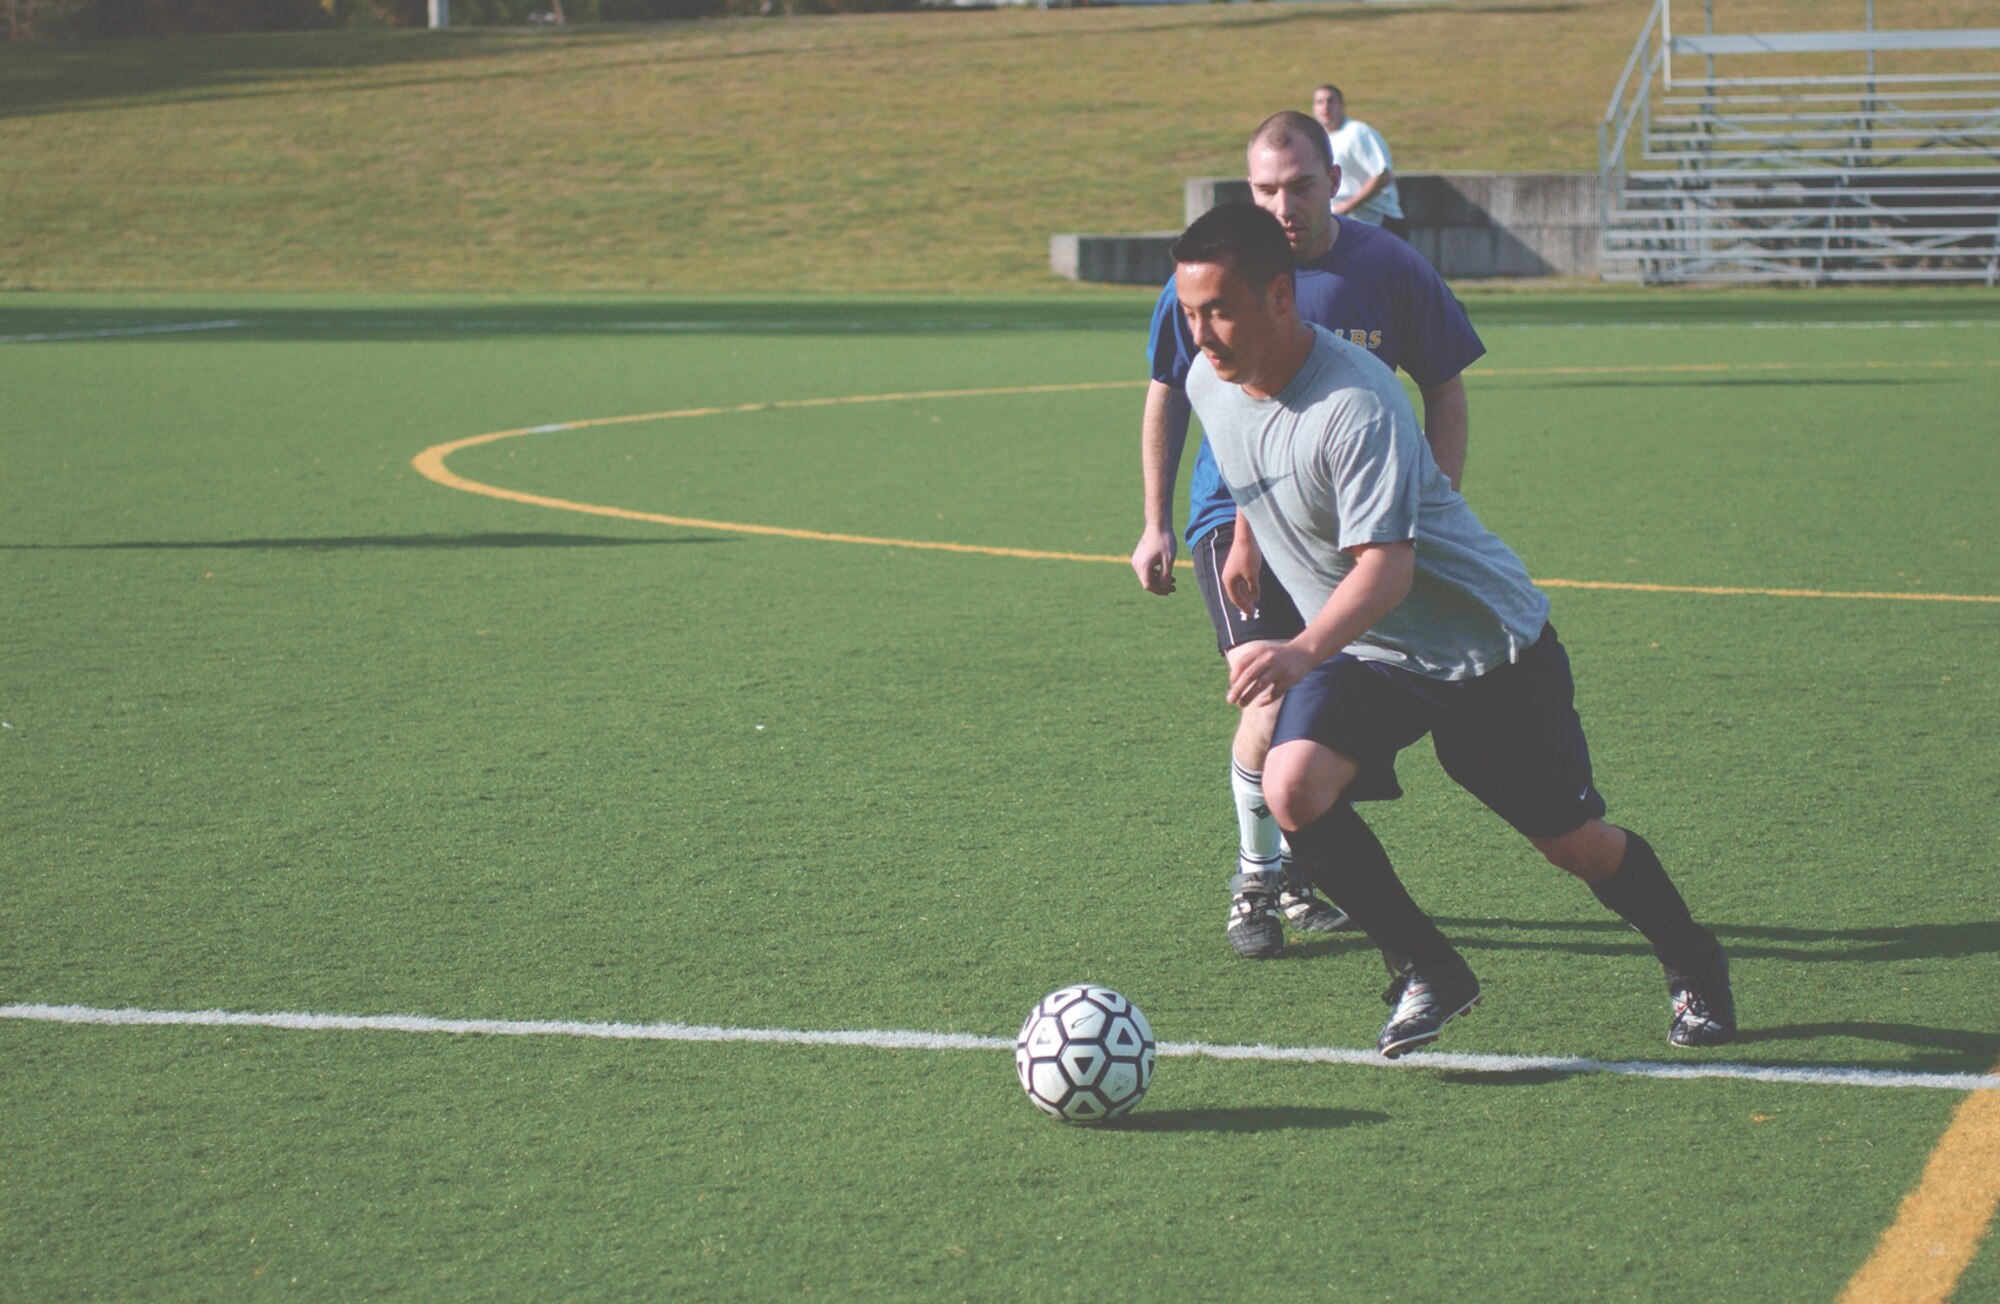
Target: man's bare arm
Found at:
1163, 432
1374, 186
1378, 583
1446, 426
1243, 568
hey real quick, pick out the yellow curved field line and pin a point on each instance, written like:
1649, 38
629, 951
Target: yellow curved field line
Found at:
1937, 1231
431, 465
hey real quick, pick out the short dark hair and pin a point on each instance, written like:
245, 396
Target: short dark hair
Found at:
1329, 86
1288, 125
1241, 236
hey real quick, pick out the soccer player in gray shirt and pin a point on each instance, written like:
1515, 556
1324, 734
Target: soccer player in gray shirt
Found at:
1426, 623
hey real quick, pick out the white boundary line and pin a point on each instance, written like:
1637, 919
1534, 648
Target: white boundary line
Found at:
114, 332
883, 1039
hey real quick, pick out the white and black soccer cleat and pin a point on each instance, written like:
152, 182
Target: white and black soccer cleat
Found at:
1308, 911
1704, 1007
1425, 998
1256, 928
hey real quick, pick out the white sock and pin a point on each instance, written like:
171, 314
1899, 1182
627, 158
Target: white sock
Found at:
1259, 844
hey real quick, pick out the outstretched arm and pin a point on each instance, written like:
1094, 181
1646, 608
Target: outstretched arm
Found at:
1378, 583
1163, 432
1446, 426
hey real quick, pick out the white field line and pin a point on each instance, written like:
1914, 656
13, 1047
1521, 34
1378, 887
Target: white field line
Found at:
882, 1039
114, 332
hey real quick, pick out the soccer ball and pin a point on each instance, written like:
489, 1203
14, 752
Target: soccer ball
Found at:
1085, 1054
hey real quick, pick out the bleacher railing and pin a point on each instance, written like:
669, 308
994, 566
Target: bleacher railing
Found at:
1836, 177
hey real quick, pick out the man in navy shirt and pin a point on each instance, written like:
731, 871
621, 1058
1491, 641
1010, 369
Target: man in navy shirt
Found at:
1375, 291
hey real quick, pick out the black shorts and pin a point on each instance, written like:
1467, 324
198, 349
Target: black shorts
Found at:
1398, 227
1510, 737
1275, 619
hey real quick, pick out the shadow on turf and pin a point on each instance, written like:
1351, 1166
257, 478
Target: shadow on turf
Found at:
1865, 945
1255, 1118
334, 543
1932, 1049
1957, 1048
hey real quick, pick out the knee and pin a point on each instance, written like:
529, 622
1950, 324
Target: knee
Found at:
1592, 853
1301, 783
1290, 804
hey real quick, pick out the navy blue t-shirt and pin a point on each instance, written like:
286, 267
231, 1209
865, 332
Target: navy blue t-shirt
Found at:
1372, 289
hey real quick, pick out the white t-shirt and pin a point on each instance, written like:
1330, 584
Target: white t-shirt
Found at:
1362, 153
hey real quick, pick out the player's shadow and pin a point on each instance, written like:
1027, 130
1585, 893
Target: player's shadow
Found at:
1927, 1048
1745, 941
1309, 946
339, 543
1955, 1050
1249, 1118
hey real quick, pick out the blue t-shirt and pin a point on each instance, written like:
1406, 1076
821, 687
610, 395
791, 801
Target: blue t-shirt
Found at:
1372, 289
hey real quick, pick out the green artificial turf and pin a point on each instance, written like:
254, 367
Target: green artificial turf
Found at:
292, 728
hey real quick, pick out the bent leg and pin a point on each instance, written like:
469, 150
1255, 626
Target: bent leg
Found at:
1625, 874
1303, 779
1259, 847
1253, 726
1592, 853
1334, 849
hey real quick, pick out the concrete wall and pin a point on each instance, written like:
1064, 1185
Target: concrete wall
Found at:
1470, 225
1481, 224
1199, 194
1113, 259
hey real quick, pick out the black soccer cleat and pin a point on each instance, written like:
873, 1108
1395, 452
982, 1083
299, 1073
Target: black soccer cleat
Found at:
1256, 929
1306, 910
1425, 998
1704, 1007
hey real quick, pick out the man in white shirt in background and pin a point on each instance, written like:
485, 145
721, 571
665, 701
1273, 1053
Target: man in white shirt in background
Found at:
1367, 190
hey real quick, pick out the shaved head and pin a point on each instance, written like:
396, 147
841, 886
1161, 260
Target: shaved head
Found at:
1289, 126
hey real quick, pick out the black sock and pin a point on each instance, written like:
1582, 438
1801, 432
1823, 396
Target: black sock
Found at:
1339, 854
1643, 896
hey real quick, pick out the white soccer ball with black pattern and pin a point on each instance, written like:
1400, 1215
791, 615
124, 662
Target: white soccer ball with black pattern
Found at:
1085, 1054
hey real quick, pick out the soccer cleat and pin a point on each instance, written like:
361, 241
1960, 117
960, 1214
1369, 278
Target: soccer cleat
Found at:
1256, 929
1425, 998
1704, 1007
1307, 911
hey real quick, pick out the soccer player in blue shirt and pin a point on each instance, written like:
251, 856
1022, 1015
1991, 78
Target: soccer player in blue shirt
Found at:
1371, 289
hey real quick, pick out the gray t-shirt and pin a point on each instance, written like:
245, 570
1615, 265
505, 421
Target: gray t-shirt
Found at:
1336, 460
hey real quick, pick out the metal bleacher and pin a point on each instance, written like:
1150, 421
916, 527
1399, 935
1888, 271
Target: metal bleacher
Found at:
1775, 174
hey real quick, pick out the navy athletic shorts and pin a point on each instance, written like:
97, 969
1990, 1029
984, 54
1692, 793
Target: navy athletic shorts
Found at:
1510, 737
1276, 619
